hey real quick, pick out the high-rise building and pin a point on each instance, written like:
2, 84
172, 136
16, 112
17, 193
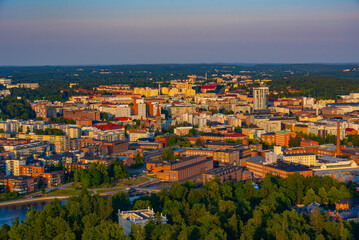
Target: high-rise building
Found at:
260, 98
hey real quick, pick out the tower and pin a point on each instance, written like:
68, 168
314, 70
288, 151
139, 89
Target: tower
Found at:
260, 98
158, 118
338, 138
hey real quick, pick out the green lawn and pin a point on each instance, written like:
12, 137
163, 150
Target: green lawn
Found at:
63, 192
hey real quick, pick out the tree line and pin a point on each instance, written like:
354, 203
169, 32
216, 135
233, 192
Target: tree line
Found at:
99, 174
214, 211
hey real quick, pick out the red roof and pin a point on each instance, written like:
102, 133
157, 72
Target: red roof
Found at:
349, 129
234, 134
122, 119
108, 126
209, 87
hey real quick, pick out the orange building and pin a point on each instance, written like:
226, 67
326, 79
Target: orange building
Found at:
234, 136
227, 173
351, 131
282, 169
52, 179
320, 151
106, 147
181, 169
220, 157
268, 138
308, 142
212, 137
19, 184
32, 171
282, 137
82, 114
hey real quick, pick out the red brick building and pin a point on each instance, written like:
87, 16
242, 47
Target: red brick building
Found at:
227, 173
282, 137
308, 142
182, 169
103, 147
82, 114
19, 184
282, 169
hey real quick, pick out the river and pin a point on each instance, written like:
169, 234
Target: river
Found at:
9, 213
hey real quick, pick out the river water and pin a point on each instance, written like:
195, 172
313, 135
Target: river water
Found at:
9, 213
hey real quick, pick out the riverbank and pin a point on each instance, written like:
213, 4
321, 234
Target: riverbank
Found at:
32, 200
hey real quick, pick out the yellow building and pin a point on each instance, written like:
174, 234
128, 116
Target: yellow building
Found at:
308, 159
310, 118
325, 101
165, 90
148, 92
300, 128
58, 143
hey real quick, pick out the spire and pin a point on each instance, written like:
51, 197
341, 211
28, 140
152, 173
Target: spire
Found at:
158, 114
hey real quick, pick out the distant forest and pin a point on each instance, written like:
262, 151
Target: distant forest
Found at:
319, 80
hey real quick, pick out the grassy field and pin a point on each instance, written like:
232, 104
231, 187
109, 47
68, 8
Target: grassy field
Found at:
132, 182
63, 192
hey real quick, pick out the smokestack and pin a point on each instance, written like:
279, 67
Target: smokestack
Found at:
338, 138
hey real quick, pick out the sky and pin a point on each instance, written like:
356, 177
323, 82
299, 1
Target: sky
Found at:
82, 32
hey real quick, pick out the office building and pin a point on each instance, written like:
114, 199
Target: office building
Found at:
260, 98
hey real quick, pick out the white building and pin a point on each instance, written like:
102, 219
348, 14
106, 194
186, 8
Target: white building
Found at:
141, 217
12, 167
260, 98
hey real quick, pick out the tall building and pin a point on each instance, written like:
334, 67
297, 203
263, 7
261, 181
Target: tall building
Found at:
260, 98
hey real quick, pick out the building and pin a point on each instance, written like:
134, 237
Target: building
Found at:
31, 171
19, 184
139, 133
140, 217
139, 108
82, 114
221, 157
260, 98
268, 138
181, 131
260, 168
12, 167
227, 173
58, 143
103, 147
182, 169
309, 159
29, 85
30, 148
282, 137
308, 142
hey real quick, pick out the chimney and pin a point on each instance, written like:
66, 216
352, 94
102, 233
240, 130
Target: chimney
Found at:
338, 138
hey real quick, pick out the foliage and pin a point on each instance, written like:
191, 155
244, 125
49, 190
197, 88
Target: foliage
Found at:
138, 161
82, 217
214, 211
6, 196
167, 155
316, 86
198, 143
61, 120
14, 108
98, 174
294, 142
176, 140
328, 139
49, 131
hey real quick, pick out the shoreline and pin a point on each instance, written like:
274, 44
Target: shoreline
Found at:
32, 200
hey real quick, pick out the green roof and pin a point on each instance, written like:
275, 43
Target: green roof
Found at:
283, 132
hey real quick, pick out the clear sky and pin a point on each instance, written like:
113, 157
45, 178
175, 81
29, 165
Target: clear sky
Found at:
69, 32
